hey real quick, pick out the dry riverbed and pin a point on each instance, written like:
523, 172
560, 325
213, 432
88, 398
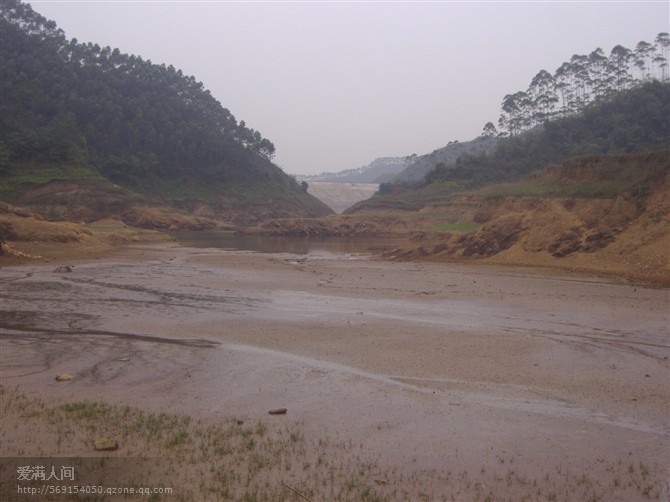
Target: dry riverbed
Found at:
401, 381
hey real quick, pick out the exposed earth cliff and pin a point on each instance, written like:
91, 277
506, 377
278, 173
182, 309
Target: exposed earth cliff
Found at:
606, 214
601, 214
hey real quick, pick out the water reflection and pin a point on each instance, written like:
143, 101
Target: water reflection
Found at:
278, 244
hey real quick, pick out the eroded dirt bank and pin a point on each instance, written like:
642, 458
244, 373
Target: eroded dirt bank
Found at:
464, 382
596, 214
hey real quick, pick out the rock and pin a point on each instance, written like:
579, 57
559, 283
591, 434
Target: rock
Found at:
278, 411
598, 241
106, 444
63, 377
494, 237
63, 269
567, 243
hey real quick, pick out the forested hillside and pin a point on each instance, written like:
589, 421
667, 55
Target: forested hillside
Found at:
591, 104
81, 111
423, 164
631, 121
637, 120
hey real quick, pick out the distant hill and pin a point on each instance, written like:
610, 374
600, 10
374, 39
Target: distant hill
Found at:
380, 170
423, 164
82, 123
629, 121
574, 89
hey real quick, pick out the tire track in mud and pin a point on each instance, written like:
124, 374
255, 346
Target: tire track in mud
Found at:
22, 332
600, 341
98, 356
172, 298
60, 305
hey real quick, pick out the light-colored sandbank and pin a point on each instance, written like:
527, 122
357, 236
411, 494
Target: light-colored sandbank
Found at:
464, 382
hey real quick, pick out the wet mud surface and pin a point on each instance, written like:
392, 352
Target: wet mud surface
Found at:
433, 367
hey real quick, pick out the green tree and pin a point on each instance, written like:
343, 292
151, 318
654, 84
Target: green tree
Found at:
490, 130
542, 96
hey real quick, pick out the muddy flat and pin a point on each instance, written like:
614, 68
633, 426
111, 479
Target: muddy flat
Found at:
517, 379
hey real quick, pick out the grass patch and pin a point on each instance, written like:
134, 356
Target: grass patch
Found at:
224, 459
85, 410
38, 174
201, 460
464, 227
607, 189
412, 199
15, 180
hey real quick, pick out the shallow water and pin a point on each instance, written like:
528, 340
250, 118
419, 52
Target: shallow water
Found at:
147, 298
277, 244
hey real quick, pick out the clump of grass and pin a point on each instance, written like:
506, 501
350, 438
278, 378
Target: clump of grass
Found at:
177, 439
85, 410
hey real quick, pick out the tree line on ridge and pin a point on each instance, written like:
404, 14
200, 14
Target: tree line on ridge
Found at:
582, 80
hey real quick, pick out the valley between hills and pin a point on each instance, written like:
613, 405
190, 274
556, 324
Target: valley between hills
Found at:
507, 342
604, 215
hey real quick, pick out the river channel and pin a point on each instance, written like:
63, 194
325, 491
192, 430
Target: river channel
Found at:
321, 247
433, 367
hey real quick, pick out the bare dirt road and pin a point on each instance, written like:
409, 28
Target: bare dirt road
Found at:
468, 382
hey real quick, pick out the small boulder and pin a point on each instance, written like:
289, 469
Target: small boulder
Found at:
106, 444
63, 377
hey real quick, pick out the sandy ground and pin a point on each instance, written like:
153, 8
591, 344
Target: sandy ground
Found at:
432, 369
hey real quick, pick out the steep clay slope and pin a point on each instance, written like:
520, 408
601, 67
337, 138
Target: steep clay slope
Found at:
601, 214
626, 235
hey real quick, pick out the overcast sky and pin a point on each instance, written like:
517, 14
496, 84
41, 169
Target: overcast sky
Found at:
335, 85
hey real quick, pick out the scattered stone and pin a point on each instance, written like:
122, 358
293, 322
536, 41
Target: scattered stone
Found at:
296, 261
63, 377
106, 444
63, 269
278, 411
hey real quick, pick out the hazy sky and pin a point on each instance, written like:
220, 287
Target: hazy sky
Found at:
335, 85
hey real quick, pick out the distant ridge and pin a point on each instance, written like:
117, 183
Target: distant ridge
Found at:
445, 155
380, 170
